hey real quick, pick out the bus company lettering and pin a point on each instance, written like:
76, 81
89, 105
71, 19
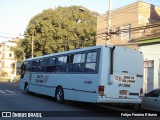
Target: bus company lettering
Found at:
124, 85
129, 79
45, 78
41, 79
125, 79
118, 78
87, 82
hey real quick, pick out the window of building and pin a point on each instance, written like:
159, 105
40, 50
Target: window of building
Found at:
126, 32
10, 55
8, 46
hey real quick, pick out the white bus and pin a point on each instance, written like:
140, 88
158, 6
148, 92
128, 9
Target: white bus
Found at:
98, 74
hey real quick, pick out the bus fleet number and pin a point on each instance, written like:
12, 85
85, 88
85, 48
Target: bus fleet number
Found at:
124, 85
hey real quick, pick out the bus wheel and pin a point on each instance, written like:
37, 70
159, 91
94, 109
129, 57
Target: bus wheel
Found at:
26, 88
59, 95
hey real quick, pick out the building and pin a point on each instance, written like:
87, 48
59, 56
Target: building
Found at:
136, 25
131, 22
7, 60
151, 51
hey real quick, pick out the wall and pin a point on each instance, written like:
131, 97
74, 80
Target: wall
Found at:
131, 21
152, 53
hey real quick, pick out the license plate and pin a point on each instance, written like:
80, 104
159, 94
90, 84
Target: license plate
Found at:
123, 92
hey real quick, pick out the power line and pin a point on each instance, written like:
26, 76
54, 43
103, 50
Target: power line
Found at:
102, 34
9, 33
131, 29
5, 37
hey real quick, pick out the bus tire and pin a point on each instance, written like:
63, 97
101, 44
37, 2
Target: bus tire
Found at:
26, 88
59, 95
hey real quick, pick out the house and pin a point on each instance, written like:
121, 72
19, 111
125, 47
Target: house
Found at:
151, 51
136, 25
7, 60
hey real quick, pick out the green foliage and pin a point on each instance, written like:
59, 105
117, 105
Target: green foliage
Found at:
19, 51
60, 29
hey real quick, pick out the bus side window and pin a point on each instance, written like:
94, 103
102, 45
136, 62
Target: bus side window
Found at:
62, 65
35, 66
28, 66
91, 62
51, 64
42, 65
77, 63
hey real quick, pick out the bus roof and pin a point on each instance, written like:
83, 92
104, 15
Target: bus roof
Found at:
67, 52
70, 51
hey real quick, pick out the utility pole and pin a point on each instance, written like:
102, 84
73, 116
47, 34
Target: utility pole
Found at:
32, 44
32, 38
109, 22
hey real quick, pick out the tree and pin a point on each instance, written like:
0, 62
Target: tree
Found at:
60, 29
19, 51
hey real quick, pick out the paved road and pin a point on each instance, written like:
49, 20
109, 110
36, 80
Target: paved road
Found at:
13, 99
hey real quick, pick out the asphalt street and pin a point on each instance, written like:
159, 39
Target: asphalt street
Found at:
20, 104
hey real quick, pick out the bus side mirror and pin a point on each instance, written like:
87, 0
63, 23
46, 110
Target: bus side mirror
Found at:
22, 70
22, 75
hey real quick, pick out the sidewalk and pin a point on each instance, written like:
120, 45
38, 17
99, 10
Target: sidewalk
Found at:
4, 80
8, 80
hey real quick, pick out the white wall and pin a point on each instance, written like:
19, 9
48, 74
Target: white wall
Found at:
152, 52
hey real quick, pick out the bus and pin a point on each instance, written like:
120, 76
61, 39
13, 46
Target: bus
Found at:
97, 74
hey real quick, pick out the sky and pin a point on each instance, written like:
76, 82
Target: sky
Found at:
16, 14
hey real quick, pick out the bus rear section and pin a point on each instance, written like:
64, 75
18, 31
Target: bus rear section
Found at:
121, 77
